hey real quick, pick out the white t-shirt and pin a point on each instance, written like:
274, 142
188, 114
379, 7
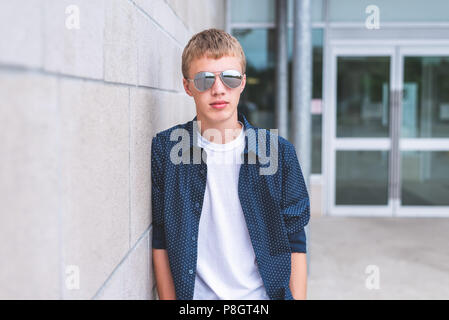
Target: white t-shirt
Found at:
226, 264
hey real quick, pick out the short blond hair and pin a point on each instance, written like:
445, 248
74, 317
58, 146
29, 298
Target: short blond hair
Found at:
212, 43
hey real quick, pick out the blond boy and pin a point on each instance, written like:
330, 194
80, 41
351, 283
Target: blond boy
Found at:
223, 228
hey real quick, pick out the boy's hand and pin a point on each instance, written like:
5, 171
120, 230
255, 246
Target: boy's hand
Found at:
164, 279
298, 278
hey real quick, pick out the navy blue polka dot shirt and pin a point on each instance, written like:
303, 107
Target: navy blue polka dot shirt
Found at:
271, 191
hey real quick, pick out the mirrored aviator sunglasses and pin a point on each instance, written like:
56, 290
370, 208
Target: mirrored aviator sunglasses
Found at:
205, 80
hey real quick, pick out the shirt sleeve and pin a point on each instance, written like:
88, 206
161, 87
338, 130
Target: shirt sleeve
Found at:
295, 201
157, 196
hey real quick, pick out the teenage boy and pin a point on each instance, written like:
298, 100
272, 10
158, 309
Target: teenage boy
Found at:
223, 228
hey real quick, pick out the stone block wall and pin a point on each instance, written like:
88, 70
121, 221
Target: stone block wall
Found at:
84, 86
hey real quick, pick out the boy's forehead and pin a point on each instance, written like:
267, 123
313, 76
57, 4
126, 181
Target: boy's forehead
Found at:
212, 64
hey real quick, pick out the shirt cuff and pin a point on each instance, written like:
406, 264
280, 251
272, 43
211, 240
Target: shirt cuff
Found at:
158, 237
298, 241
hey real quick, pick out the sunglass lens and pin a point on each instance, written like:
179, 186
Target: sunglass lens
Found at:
231, 78
204, 80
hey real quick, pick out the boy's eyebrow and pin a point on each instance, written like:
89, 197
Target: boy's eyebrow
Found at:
211, 71
219, 71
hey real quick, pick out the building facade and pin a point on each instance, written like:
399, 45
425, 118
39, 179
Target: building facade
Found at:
380, 101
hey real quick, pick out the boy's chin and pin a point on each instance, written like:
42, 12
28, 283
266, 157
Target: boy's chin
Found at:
213, 114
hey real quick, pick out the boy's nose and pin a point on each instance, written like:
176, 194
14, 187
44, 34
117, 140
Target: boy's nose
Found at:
218, 86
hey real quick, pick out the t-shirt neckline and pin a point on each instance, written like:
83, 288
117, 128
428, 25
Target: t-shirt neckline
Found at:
222, 146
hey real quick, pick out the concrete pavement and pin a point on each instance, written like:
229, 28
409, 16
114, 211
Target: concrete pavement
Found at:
408, 256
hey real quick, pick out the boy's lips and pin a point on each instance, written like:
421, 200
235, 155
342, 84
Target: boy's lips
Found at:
219, 104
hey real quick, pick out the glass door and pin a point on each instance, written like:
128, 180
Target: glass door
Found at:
424, 132
360, 138
387, 130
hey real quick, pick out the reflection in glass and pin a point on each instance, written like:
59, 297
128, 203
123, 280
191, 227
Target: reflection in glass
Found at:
425, 178
362, 178
362, 96
425, 102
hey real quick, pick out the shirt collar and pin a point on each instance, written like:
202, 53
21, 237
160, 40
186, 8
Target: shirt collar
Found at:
249, 130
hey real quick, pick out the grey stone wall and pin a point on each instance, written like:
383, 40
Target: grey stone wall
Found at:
78, 109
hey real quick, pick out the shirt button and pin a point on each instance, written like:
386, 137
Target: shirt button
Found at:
197, 205
191, 271
193, 238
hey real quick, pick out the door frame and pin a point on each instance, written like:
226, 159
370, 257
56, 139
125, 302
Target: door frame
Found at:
333, 144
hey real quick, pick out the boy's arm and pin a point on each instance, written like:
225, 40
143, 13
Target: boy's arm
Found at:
298, 278
161, 265
164, 279
296, 213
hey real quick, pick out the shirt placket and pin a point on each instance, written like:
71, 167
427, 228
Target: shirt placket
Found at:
199, 174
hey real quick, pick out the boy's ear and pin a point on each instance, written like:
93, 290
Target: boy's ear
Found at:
186, 86
242, 86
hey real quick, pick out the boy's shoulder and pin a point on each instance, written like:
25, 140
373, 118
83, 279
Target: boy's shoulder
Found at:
170, 136
165, 134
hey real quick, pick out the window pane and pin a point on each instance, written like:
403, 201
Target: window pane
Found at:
252, 11
317, 68
258, 98
425, 178
316, 143
390, 10
362, 178
316, 10
426, 97
264, 11
362, 96
317, 93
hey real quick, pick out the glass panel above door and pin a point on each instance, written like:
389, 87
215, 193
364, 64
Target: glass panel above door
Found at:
425, 101
389, 10
363, 85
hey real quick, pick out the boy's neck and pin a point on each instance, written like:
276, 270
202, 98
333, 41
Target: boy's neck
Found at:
228, 130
